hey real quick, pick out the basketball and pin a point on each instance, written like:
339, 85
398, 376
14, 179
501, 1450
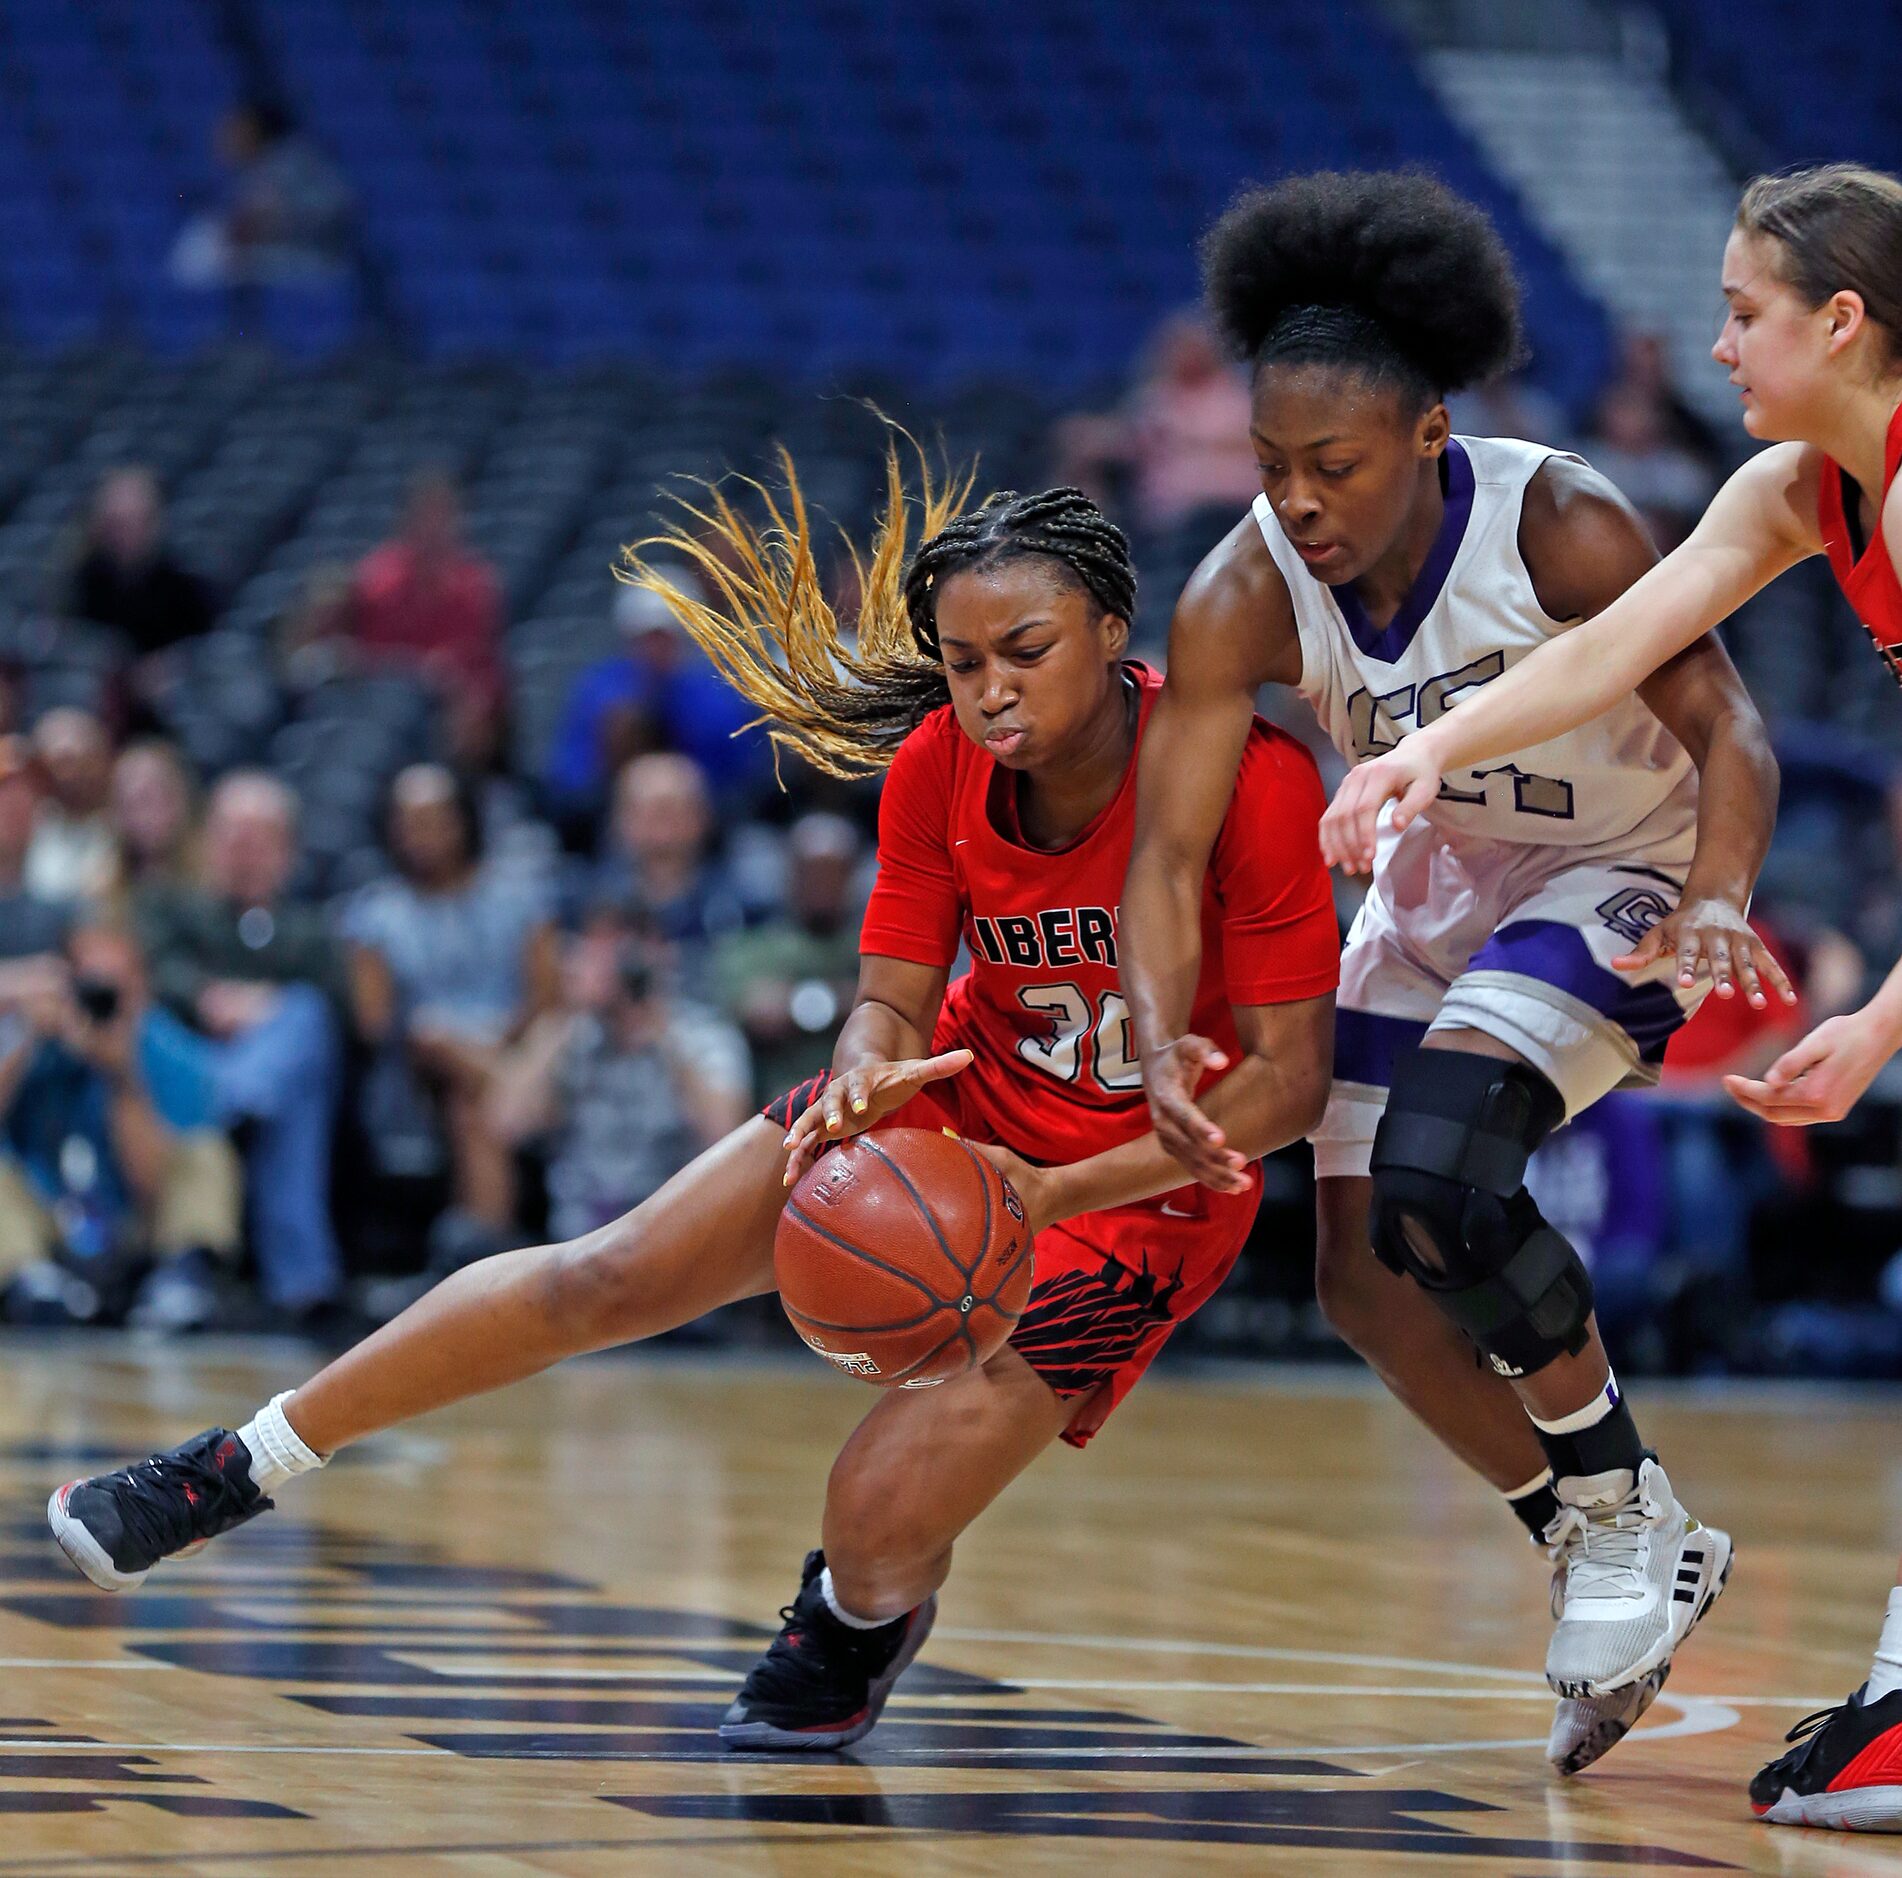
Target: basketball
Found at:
903, 1258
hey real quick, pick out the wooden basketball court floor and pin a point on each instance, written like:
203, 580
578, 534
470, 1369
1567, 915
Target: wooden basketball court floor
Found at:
1262, 1625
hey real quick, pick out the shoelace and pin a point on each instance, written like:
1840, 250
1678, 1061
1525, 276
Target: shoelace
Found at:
157, 1512
1808, 1729
1600, 1550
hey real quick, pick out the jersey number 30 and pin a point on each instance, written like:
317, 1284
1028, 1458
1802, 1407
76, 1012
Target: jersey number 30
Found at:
1084, 1041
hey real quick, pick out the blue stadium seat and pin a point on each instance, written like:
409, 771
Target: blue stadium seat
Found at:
798, 186
1780, 69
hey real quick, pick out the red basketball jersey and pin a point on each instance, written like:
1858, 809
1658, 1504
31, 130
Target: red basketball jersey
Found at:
1864, 570
1055, 1076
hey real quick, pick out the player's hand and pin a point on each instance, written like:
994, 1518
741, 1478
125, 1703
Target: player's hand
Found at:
1406, 776
860, 1098
1821, 1078
1036, 1186
1711, 935
1171, 1076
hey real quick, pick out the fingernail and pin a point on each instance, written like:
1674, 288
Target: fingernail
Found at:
858, 1108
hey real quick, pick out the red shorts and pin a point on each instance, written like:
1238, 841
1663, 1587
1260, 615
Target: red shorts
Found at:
1107, 1289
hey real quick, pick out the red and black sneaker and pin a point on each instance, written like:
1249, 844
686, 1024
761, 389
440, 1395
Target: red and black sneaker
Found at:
116, 1527
822, 1683
1846, 1771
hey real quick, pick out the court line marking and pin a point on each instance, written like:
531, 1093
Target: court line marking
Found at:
1698, 1715
1254, 1652
78, 1662
690, 1680
1433, 1692
81, 1749
486, 1669
261, 1859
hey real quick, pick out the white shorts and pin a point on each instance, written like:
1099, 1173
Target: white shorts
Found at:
1512, 940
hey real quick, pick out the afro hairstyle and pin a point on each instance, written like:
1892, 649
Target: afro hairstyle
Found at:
1387, 271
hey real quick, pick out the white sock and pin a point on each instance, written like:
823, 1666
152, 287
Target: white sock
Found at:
1589, 1416
839, 1611
277, 1452
1886, 1675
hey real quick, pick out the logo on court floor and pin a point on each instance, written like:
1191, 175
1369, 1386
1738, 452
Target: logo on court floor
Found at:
365, 1646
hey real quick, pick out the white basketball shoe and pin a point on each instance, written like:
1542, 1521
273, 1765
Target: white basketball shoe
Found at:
1638, 1574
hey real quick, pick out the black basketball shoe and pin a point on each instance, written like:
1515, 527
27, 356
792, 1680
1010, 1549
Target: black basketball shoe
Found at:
1845, 1772
116, 1527
822, 1684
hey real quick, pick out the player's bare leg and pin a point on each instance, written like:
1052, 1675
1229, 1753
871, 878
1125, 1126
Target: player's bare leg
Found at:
914, 1474
705, 1239
1387, 1320
1434, 1369
920, 1468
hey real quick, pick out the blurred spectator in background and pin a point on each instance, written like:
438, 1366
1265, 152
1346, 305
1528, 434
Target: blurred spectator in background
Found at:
1644, 366
1509, 406
259, 975
788, 983
625, 1085
1723, 1164
32, 926
659, 873
1181, 441
424, 600
450, 962
287, 213
127, 578
154, 817
1631, 443
110, 1159
74, 855
314, 643
659, 694
1604, 1182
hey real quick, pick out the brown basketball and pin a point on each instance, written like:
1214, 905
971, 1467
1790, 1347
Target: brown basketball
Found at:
903, 1257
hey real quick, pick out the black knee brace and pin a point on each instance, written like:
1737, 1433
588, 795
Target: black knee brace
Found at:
1452, 1211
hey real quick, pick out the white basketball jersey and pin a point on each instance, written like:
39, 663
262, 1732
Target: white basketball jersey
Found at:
1471, 615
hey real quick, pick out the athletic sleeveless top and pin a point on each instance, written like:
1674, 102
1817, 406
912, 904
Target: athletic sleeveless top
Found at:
1470, 616
1862, 568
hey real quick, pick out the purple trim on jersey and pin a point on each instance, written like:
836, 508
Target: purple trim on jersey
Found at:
1390, 642
1557, 955
1366, 1043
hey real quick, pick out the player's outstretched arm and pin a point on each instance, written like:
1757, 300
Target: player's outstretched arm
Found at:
1233, 632
1762, 521
882, 1059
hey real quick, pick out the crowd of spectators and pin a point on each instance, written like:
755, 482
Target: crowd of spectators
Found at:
214, 1083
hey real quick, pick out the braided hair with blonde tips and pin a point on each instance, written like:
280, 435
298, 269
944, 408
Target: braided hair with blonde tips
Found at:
845, 698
